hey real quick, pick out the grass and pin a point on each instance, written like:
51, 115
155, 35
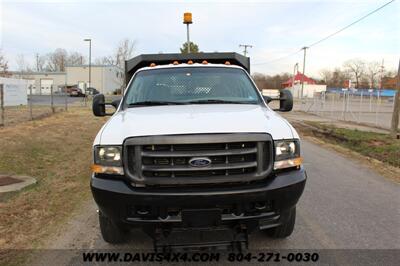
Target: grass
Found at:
56, 151
375, 145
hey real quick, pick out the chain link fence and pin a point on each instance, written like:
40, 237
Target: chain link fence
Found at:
363, 107
38, 106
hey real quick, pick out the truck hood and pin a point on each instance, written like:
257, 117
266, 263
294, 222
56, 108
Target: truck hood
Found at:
194, 119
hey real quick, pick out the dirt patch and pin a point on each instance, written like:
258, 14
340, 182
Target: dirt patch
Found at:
57, 152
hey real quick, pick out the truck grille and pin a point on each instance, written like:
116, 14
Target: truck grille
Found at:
166, 163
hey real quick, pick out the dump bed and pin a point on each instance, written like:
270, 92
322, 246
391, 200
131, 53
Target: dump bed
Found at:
132, 65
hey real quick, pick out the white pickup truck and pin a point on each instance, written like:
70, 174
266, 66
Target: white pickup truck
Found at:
194, 146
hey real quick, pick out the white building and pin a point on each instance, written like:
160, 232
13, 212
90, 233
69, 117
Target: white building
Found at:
309, 90
105, 78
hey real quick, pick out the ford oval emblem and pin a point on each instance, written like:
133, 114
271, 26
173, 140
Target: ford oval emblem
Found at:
199, 162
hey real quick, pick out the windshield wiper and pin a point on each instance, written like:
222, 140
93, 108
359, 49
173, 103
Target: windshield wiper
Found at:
151, 103
219, 101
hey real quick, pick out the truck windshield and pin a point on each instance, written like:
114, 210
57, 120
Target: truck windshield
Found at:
191, 85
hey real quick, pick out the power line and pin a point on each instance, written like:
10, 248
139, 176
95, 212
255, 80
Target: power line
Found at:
327, 37
278, 59
351, 24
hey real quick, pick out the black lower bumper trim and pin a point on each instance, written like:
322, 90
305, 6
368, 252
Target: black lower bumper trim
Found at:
143, 206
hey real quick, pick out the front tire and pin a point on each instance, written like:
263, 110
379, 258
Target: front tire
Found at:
111, 232
286, 228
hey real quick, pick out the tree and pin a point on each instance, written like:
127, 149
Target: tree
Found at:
356, 68
40, 61
75, 59
56, 60
265, 82
3, 65
105, 60
194, 48
124, 52
373, 69
326, 75
22, 65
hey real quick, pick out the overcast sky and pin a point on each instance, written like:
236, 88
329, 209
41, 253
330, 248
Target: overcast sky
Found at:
274, 28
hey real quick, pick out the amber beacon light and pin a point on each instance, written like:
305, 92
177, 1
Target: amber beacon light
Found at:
187, 18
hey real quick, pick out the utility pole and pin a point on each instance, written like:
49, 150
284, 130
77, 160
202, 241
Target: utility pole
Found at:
382, 70
245, 48
304, 69
396, 108
90, 67
37, 62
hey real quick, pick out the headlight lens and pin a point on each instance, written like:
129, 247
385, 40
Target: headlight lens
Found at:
108, 160
287, 154
108, 155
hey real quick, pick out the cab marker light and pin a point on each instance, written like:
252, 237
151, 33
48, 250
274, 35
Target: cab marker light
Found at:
175, 63
152, 64
190, 62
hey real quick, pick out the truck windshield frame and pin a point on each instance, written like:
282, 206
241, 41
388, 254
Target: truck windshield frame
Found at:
191, 85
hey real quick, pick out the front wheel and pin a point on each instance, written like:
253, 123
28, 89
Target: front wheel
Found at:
286, 228
111, 232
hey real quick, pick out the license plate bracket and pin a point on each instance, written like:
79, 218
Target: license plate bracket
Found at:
201, 217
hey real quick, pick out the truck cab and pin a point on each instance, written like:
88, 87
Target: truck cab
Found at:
194, 146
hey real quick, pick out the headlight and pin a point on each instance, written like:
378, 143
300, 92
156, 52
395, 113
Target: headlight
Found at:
108, 160
287, 154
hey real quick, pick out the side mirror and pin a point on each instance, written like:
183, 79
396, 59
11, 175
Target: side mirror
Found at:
99, 105
285, 101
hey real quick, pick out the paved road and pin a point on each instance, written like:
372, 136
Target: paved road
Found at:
344, 206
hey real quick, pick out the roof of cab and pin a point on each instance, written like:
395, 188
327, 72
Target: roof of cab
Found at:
214, 59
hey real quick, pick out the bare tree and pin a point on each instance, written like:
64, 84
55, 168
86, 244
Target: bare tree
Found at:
124, 52
56, 60
22, 65
3, 65
75, 59
326, 75
357, 68
40, 61
105, 60
373, 69
270, 82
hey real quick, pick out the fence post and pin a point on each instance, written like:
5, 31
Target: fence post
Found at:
66, 97
30, 102
51, 99
360, 110
377, 108
2, 104
370, 101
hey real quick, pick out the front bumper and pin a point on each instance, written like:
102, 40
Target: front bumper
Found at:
260, 203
